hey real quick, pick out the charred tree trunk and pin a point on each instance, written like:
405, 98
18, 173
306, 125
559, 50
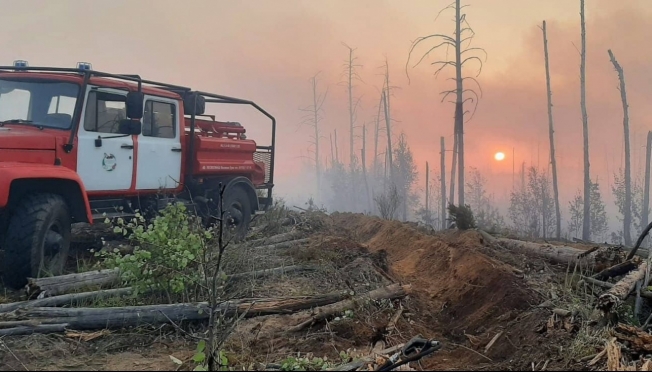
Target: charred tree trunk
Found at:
551, 132
57, 285
646, 196
459, 102
315, 113
332, 151
337, 155
627, 213
364, 165
600, 259
443, 184
451, 197
428, 194
389, 134
611, 299
351, 110
376, 137
586, 226
385, 293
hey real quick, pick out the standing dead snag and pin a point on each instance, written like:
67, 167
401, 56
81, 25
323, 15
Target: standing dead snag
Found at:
389, 133
627, 213
351, 75
443, 184
461, 58
312, 119
586, 225
646, 193
551, 132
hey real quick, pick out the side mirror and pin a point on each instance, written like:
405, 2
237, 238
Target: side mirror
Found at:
131, 127
135, 105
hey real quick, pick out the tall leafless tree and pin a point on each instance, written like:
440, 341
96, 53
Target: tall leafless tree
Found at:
443, 184
551, 133
627, 213
646, 194
388, 126
377, 130
363, 157
428, 215
586, 226
351, 75
312, 118
463, 55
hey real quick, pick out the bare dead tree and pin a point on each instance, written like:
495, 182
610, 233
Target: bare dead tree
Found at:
364, 164
586, 226
337, 156
646, 194
351, 75
462, 57
451, 197
443, 184
428, 193
389, 134
377, 136
627, 213
312, 118
551, 133
332, 151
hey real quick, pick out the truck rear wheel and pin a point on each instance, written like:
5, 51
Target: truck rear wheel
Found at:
237, 211
37, 239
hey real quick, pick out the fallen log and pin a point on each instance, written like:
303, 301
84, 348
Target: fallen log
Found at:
58, 285
353, 366
66, 299
269, 272
599, 259
614, 296
617, 270
391, 292
638, 340
283, 245
30, 320
280, 238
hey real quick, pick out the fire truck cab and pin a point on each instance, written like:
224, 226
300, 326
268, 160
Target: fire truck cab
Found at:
78, 145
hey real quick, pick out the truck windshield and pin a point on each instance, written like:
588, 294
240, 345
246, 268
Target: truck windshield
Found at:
42, 103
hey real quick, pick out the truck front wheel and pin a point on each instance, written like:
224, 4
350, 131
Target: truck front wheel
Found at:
37, 240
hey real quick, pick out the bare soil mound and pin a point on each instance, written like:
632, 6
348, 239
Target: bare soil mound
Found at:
460, 287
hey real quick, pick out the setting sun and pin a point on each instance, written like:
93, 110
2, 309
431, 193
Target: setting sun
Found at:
499, 156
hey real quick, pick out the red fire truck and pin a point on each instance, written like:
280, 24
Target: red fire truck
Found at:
78, 145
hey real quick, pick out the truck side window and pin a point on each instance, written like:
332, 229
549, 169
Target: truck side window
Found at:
104, 112
159, 120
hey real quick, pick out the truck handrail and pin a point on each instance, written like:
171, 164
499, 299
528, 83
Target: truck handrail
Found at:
212, 98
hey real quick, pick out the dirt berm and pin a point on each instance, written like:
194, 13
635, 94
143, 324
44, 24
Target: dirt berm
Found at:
462, 294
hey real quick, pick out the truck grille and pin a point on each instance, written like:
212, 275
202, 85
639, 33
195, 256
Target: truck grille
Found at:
265, 157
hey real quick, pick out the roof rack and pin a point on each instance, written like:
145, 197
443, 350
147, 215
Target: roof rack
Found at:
209, 98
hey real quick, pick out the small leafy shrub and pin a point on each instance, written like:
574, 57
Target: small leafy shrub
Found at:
462, 216
310, 363
168, 254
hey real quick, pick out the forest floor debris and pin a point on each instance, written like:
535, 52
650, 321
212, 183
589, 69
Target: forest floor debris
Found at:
492, 307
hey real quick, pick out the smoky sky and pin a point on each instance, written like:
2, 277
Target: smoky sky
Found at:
268, 50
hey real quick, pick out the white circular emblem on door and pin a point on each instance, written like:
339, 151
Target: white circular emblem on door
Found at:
109, 162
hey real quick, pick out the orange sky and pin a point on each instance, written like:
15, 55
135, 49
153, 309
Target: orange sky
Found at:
267, 50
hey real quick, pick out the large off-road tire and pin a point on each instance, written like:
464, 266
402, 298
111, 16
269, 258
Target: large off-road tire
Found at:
237, 208
37, 240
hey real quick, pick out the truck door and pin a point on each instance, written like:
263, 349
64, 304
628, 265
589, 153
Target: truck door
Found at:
105, 163
159, 146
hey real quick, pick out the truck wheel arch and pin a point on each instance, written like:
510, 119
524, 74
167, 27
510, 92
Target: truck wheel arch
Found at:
69, 189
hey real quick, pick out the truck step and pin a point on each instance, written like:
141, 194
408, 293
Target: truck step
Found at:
111, 215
